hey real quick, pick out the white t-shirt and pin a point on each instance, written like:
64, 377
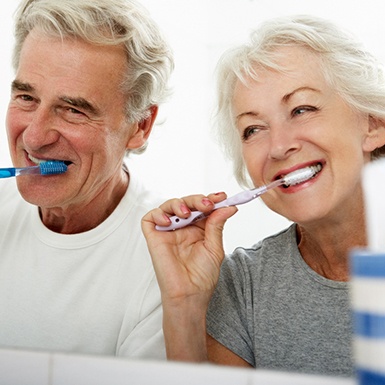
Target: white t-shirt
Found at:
93, 292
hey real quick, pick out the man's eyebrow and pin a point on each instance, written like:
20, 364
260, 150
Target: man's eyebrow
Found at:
287, 97
74, 102
80, 103
20, 86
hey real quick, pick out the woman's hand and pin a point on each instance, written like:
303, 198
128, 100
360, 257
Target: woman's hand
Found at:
187, 264
187, 261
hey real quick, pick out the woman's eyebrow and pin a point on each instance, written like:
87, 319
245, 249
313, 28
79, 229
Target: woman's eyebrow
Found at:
285, 100
247, 113
288, 96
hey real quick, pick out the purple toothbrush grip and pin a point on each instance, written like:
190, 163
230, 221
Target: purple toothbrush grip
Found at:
178, 223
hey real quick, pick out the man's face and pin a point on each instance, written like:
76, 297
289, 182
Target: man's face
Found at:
67, 104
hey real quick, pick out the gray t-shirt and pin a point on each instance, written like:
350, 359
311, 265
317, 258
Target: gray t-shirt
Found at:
274, 311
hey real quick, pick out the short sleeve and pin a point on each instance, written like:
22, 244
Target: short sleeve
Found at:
228, 315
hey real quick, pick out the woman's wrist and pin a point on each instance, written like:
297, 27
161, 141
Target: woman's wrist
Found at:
184, 327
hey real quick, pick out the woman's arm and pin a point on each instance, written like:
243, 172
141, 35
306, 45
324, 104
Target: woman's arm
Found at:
187, 264
219, 354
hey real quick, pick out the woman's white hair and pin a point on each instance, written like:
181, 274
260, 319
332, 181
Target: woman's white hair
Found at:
352, 71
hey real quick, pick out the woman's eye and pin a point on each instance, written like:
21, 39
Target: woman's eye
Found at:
249, 131
302, 109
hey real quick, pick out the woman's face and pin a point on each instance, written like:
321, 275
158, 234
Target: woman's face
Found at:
292, 119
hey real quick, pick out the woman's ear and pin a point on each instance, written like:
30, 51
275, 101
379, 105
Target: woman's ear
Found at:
375, 137
142, 130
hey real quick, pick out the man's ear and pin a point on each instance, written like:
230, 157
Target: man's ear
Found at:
141, 130
375, 137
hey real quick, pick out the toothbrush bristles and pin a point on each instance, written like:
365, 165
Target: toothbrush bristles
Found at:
301, 175
53, 167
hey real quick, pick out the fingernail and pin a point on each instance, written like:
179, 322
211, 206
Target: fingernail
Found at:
185, 209
166, 217
206, 202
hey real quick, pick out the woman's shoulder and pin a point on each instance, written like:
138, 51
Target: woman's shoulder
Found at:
272, 250
284, 239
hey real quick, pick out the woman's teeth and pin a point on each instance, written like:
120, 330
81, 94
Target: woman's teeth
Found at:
316, 168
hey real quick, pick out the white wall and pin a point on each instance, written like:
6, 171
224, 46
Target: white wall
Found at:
6, 40
182, 157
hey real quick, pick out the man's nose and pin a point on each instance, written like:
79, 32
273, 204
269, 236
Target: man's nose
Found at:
40, 131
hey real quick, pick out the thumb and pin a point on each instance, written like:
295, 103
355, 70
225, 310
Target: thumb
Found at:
214, 228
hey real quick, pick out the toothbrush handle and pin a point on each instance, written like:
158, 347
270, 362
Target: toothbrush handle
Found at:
178, 223
32, 170
16, 171
7, 172
195, 216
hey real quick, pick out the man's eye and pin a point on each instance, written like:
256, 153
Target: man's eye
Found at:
26, 98
74, 111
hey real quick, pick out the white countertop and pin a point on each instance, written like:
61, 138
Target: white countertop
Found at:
21, 367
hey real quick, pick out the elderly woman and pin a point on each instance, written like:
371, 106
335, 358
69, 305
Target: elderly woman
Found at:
301, 93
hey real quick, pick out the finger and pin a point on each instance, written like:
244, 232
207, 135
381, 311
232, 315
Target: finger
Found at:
174, 206
214, 230
218, 218
217, 197
154, 217
182, 207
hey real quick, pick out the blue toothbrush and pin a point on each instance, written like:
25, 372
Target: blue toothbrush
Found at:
50, 167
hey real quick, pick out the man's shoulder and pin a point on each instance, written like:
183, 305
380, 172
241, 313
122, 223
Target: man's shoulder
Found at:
145, 199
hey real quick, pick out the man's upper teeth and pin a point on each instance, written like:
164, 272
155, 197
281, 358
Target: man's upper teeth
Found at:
36, 160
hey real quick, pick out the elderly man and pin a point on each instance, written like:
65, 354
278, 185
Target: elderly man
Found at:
75, 271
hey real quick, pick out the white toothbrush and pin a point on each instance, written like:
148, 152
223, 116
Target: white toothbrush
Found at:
295, 177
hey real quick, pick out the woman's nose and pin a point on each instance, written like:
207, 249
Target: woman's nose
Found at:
284, 141
40, 130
